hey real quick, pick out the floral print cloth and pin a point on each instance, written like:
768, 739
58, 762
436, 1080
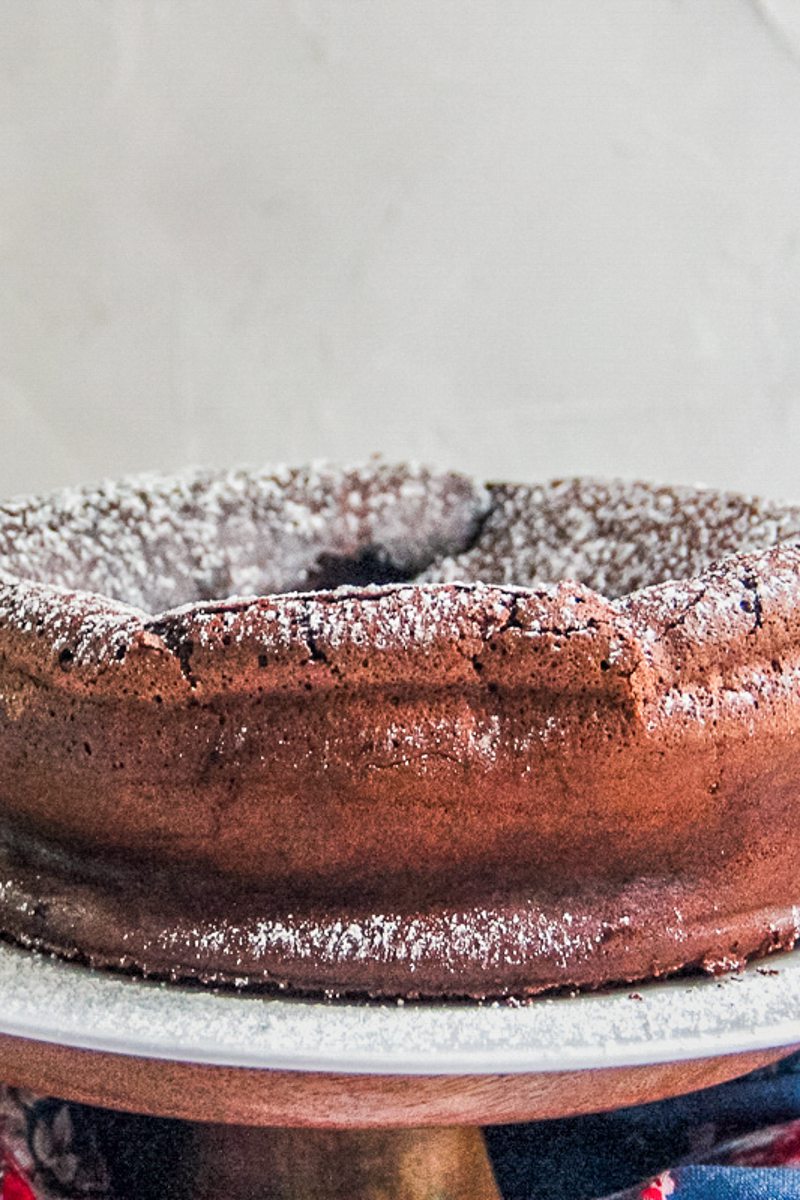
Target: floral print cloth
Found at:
44, 1156
739, 1141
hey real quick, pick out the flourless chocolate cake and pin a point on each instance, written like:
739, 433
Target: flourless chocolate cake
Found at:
387, 731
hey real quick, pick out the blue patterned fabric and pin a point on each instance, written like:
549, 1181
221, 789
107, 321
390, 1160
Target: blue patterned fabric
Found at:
736, 1183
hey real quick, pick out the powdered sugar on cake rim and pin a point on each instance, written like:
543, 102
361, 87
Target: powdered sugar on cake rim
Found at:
83, 567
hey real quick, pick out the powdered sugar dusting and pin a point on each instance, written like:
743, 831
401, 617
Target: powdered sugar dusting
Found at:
614, 536
83, 567
375, 619
156, 542
86, 628
491, 938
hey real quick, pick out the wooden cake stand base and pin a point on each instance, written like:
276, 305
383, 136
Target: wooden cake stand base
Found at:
302, 1135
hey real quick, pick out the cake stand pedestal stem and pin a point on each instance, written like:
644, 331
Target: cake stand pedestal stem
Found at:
370, 1164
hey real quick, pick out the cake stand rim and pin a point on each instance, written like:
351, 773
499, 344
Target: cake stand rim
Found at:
654, 1054
501, 1039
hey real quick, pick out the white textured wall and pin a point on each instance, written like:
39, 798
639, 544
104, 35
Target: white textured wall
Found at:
528, 237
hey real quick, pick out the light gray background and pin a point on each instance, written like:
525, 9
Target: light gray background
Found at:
525, 237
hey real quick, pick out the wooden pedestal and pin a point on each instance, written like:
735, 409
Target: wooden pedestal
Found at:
293, 1135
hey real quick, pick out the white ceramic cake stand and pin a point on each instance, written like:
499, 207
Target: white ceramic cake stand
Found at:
401, 1084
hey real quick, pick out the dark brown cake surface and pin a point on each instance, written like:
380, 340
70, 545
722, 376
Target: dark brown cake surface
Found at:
387, 731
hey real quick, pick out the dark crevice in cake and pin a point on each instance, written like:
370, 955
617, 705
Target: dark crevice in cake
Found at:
513, 619
751, 603
372, 566
184, 653
181, 647
316, 654
690, 607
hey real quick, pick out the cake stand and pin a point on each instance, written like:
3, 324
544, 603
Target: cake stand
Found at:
319, 1099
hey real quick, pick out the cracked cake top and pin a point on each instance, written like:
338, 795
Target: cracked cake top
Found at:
323, 573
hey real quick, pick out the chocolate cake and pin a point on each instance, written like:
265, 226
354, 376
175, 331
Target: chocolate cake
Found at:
386, 731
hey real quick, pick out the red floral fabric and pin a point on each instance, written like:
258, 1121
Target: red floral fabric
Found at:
41, 1158
660, 1188
15, 1185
